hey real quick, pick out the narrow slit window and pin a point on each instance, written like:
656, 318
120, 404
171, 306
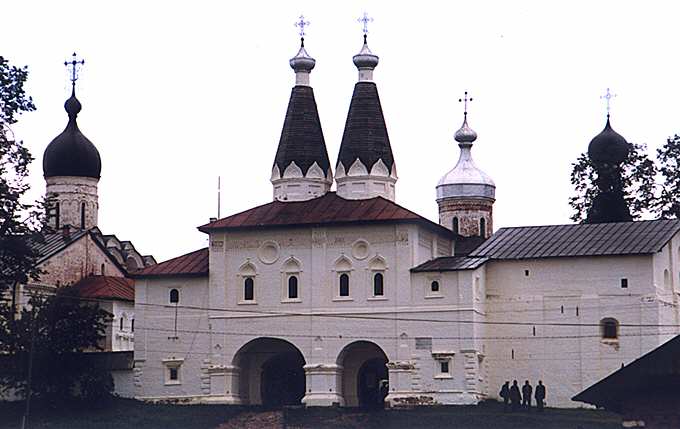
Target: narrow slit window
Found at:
121, 323
454, 225
482, 227
378, 288
82, 215
132, 325
248, 289
56, 215
292, 287
344, 285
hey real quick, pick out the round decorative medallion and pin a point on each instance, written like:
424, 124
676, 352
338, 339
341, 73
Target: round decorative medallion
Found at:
268, 252
360, 249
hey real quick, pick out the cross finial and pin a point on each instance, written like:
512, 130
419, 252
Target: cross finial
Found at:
608, 98
465, 100
75, 65
364, 20
302, 24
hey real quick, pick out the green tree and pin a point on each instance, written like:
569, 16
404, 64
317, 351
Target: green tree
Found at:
638, 174
668, 155
20, 222
55, 332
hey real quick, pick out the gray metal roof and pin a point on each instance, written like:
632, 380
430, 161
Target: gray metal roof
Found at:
55, 242
618, 238
449, 263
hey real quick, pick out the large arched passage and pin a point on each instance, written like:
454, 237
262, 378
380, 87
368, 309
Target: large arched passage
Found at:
270, 373
364, 375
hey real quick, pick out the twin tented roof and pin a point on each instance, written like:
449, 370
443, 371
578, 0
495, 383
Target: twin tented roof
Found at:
601, 239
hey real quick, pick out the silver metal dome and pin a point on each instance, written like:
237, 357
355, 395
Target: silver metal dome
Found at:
365, 59
302, 62
466, 179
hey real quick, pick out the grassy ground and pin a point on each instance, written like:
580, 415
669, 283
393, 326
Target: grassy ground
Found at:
123, 414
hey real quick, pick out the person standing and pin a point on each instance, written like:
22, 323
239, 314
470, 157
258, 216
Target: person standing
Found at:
515, 396
540, 395
527, 390
505, 394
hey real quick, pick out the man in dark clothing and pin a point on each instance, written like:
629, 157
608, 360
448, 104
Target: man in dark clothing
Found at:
526, 395
515, 396
505, 394
540, 395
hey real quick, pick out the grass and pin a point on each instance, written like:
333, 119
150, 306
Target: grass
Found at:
125, 413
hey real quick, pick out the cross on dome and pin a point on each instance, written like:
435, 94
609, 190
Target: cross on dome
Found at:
465, 99
364, 20
302, 24
75, 66
608, 97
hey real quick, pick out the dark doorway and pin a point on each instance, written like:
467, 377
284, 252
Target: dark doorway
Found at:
372, 383
283, 380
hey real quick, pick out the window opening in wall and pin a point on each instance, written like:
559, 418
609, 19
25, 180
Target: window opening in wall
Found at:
174, 296
562, 309
56, 215
482, 227
609, 328
103, 269
444, 366
434, 286
132, 325
624, 283
121, 323
512, 354
344, 285
534, 331
577, 311
174, 373
454, 225
292, 287
82, 215
248, 289
526, 273
378, 289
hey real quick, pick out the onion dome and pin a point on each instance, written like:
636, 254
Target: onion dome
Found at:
608, 147
302, 62
466, 179
71, 153
365, 59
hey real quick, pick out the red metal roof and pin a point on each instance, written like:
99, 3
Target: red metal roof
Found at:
327, 209
106, 287
191, 264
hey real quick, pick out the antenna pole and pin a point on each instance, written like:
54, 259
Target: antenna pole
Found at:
219, 199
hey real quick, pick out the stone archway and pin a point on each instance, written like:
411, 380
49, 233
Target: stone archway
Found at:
364, 375
270, 373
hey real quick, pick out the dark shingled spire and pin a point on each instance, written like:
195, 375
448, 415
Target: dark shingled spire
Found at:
301, 138
71, 153
365, 135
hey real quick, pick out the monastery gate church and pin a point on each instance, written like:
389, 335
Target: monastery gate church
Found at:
345, 297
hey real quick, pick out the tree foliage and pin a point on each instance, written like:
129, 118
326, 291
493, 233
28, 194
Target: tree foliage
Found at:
58, 328
668, 204
20, 222
638, 174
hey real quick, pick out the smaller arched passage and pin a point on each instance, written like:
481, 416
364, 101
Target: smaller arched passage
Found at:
270, 373
364, 375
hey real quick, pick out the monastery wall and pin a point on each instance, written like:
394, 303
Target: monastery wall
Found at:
576, 294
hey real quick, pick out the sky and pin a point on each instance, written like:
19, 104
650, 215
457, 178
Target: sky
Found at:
175, 94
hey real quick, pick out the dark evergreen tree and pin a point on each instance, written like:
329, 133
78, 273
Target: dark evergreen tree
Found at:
638, 173
668, 205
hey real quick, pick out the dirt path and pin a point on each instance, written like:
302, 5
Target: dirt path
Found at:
255, 420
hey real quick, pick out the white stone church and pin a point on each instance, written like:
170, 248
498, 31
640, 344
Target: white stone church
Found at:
345, 297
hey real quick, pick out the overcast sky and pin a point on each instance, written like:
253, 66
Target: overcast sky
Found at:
176, 94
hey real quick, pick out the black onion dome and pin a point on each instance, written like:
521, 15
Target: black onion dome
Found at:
302, 138
608, 147
365, 135
71, 153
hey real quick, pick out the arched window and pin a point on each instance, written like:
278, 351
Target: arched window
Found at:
56, 215
434, 286
292, 287
248, 289
174, 296
378, 289
666, 279
454, 226
344, 284
82, 215
609, 328
103, 269
482, 227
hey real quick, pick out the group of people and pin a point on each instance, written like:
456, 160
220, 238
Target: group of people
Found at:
513, 398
